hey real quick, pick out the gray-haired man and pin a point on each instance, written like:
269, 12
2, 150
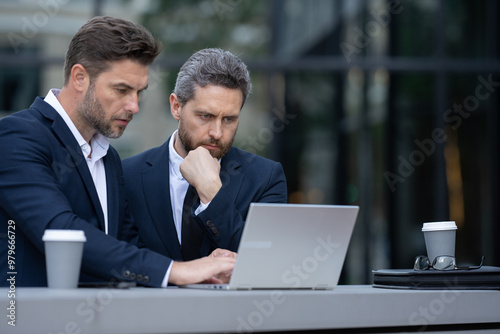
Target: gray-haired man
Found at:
211, 89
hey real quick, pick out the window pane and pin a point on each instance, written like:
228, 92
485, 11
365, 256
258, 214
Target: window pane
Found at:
413, 29
466, 28
469, 165
310, 147
410, 177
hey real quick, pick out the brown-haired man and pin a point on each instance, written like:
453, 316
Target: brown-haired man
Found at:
59, 171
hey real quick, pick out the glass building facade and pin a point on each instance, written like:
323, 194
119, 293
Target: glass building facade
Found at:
398, 104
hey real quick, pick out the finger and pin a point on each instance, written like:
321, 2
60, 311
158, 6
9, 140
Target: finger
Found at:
213, 280
223, 253
224, 265
219, 252
215, 252
226, 253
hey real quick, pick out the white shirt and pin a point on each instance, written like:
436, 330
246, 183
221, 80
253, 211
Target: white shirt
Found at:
95, 163
178, 187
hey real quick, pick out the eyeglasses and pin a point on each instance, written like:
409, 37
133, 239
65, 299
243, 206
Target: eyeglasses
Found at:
442, 262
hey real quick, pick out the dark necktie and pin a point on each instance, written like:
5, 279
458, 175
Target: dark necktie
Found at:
191, 233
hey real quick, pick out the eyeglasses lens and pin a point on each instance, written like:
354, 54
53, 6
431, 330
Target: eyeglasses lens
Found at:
444, 263
421, 263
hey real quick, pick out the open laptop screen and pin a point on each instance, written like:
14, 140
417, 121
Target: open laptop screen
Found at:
293, 246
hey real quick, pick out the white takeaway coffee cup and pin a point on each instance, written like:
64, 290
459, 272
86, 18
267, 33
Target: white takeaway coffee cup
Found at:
439, 238
63, 256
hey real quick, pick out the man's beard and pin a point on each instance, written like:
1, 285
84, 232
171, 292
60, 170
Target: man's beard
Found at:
91, 110
189, 144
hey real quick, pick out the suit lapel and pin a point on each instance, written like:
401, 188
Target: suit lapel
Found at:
156, 176
75, 158
111, 193
230, 173
231, 176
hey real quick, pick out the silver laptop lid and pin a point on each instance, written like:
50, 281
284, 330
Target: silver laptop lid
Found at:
293, 246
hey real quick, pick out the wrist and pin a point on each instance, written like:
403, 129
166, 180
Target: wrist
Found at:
176, 276
207, 191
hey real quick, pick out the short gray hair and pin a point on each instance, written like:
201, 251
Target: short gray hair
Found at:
212, 67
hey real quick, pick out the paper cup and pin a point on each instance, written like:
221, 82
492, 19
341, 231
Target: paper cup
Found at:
439, 238
63, 255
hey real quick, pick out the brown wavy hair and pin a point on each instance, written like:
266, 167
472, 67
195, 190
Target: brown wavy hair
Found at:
104, 39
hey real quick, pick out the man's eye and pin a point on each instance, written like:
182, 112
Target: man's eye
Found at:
205, 116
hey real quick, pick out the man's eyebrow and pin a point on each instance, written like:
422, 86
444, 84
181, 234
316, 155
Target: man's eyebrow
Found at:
204, 112
127, 86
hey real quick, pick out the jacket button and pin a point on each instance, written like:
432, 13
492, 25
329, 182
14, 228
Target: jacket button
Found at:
146, 279
139, 277
213, 228
126, 273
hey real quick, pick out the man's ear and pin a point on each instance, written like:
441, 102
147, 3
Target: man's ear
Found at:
175, 106
79, 78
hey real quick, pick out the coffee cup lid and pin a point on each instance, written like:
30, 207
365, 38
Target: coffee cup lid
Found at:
439, 226
64, 235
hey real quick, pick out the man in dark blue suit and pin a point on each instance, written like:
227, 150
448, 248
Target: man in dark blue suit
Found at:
210, 91
58, 170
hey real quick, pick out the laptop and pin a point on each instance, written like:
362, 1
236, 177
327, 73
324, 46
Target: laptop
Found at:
291, 246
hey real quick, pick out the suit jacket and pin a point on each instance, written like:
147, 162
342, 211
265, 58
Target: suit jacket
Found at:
245, 177
45, 183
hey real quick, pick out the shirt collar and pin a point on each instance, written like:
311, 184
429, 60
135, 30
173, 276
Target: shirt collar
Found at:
174, 158
100, 143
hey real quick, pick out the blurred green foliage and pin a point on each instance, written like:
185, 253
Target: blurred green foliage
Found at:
185, 26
